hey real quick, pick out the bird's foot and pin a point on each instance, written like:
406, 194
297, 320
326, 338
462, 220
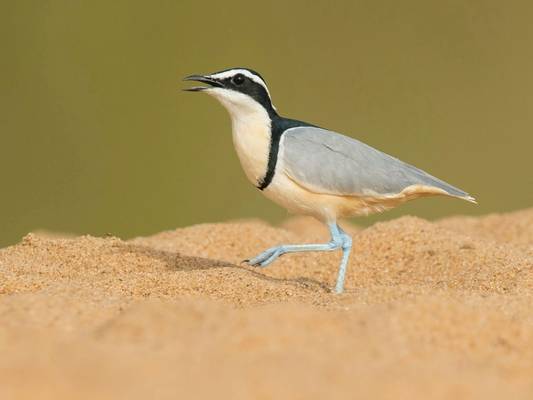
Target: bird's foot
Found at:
339, 239
266, 258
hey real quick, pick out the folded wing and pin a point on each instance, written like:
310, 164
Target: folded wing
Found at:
327, 162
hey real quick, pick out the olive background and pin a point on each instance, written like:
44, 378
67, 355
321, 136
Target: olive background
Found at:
97, 136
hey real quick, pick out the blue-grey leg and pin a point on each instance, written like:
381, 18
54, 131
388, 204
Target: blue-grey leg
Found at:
346, 249
339, 240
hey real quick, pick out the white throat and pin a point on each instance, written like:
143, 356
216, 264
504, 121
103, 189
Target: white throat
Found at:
251, 130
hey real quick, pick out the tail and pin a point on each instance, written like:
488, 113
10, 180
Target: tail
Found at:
466, 197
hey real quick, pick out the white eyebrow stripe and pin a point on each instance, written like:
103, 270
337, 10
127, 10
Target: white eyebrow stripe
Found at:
245, 72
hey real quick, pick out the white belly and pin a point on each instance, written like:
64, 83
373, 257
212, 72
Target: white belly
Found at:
325, 207
285, 192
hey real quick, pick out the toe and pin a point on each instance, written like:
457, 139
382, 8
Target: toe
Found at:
252, 263
266, 257
263, 259
271, 259
256, 261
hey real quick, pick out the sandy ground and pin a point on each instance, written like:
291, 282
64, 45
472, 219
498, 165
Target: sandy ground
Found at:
432, 310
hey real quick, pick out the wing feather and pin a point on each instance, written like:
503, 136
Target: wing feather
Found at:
327, 162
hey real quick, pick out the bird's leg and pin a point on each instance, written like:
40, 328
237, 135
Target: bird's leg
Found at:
339, 239
346, 248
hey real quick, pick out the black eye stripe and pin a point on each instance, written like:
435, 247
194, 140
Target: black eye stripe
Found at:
249, 87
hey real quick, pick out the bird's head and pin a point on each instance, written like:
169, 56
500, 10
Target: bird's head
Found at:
240, 90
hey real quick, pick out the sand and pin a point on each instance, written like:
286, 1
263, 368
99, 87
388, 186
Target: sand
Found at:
432, 310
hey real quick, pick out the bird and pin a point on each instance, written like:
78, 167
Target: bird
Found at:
310, 170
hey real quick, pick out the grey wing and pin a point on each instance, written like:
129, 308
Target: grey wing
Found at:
328, 162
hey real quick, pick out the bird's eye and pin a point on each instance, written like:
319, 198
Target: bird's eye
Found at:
238, 79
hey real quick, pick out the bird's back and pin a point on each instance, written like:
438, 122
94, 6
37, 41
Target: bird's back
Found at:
327, 162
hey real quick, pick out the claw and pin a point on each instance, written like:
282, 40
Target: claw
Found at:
257, 264
265, 258
251, 263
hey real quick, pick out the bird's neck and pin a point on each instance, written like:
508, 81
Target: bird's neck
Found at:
251, 138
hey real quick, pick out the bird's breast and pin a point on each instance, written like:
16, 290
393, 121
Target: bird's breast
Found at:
251, 138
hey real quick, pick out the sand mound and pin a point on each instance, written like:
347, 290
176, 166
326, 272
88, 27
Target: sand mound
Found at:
432, 310
514, 228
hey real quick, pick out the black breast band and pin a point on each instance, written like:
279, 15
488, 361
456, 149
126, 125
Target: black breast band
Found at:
279, 126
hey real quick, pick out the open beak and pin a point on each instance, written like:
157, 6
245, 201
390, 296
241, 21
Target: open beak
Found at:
203, 79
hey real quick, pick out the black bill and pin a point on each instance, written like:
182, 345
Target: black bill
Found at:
203, 79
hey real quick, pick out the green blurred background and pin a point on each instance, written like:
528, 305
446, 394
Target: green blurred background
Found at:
98, 138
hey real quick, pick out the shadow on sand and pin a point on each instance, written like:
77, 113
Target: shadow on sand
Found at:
179, 262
